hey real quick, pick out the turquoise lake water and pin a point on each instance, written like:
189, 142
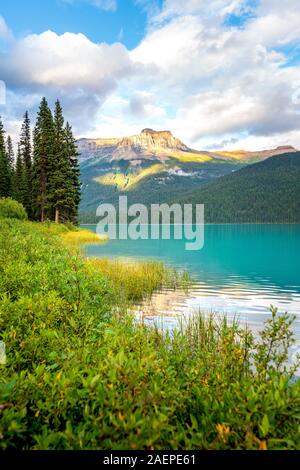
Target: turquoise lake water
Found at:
241, 270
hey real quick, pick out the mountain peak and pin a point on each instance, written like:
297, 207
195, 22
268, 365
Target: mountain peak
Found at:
289, 148
161, 145
147, 130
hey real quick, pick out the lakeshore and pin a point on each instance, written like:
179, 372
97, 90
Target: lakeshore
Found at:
81, 374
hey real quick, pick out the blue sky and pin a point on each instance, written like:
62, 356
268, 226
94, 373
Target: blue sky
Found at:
127, 22
223, 73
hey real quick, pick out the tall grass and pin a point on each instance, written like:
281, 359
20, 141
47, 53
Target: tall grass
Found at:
76, 238
79, 377
135, 281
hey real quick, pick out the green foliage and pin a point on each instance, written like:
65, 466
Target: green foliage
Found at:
72, 155
158, 188
135, 281
25, 150
5, 168
43, 156
10, 153
47, 185
20, 187
56, 187
11, 209
266, 192
64, 187
81, 374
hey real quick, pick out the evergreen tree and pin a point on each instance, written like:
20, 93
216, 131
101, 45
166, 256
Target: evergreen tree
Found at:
44, 138
76, 184
10, 154
55, 169
5, 173
26, 154
19, 180
62, 181
60, 175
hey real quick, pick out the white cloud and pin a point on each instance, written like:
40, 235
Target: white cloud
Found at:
5, 32
69, 61
275, 28
108, 5
113, 119
151, 7
215, 11
225, 79
255, 143
194, 73
70, 67
142, 105
265, 112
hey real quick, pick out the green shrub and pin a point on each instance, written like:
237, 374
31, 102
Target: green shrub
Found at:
80, 376
11, 209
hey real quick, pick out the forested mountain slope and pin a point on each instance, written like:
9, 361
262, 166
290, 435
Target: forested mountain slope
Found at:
268, 191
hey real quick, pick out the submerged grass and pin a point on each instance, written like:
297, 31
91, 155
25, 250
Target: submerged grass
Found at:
79, 377
76, 238
134, 281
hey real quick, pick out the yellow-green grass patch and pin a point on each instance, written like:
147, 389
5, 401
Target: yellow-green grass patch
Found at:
126, 182
81, 237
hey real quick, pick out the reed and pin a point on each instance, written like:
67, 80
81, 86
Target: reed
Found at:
76, 238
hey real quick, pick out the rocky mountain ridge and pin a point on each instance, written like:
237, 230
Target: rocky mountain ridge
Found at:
162, 145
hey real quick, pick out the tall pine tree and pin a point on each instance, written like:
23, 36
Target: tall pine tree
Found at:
44, 138
63, 180
49, 184
76, 184
60, 188
5, 172
10, 153
26, 153
55, 168
19, 180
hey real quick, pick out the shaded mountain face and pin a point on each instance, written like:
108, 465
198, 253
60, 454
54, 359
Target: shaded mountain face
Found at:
151, 167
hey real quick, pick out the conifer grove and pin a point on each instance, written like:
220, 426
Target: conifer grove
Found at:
44, 174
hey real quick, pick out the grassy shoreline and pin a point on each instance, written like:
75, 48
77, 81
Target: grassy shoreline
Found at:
79, 376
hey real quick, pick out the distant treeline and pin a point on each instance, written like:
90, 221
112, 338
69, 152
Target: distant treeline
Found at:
44, 174
265, 192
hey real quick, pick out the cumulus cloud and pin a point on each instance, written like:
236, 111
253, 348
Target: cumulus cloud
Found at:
263, 112
197, 72
70, 67
197, 48
68, 60
223, 78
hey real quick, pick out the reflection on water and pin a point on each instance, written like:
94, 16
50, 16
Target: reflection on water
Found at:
242, 270
167, 307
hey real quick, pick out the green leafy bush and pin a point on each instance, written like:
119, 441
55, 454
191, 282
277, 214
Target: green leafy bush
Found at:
11, 209
82, 374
